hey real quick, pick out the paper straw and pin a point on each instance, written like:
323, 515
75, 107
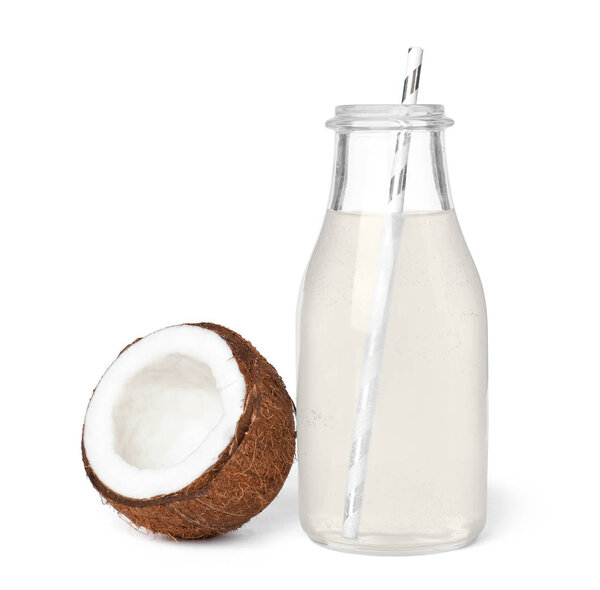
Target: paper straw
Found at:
378, 318
409, 96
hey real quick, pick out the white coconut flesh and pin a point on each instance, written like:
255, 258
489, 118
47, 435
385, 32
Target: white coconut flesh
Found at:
163, 412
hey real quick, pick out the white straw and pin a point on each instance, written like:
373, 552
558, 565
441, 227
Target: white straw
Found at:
378, 318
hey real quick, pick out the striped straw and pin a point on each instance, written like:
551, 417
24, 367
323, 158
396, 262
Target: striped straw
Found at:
409, 96
380, 303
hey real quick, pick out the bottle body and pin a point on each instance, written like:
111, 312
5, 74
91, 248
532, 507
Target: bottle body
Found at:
425, 488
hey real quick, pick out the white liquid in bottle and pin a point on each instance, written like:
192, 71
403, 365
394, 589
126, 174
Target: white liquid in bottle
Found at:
426, 479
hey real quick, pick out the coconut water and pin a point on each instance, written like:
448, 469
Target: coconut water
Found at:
426, 478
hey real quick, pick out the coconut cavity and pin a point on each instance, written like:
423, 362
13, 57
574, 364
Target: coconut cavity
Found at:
190, 432
165, 411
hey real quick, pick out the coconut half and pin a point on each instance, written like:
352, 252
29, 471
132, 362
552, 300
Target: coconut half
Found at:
190, 432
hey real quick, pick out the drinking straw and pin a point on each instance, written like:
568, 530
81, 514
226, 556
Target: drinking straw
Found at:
378, 318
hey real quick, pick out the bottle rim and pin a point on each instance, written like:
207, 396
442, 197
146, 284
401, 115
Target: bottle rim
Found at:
388, 117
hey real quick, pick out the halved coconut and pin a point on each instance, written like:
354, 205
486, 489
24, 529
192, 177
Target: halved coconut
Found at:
190, 432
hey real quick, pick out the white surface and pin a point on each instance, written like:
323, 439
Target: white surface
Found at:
166, 161
154, 407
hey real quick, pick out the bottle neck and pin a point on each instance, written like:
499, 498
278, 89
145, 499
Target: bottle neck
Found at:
390, 170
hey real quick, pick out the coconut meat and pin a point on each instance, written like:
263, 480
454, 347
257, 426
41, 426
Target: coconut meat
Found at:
164, 411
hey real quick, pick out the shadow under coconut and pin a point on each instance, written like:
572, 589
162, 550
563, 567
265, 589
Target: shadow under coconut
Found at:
279, 516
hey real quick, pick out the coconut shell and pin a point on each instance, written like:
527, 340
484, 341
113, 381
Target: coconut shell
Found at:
248, 473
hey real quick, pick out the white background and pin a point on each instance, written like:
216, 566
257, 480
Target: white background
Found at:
166, 162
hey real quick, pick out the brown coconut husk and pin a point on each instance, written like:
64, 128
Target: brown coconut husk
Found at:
248, 473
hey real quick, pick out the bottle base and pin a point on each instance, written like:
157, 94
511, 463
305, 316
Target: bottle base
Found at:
390, 545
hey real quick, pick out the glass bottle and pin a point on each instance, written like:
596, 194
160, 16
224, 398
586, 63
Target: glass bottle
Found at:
425, 486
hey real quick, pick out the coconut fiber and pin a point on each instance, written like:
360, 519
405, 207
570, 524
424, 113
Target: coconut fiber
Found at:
247, 475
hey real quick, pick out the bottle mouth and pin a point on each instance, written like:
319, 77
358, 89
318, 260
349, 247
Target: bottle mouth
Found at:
388, 117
